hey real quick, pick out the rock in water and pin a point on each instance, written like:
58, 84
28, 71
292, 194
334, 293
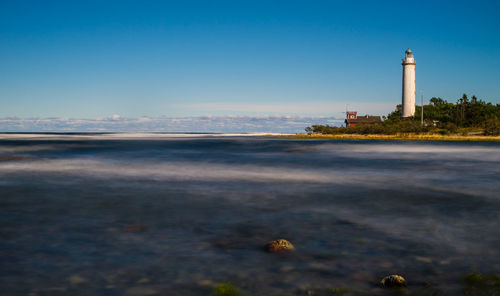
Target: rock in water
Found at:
393, 281
280, 246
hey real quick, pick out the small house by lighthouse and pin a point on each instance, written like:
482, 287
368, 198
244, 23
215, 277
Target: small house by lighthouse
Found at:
353, 119
408, 103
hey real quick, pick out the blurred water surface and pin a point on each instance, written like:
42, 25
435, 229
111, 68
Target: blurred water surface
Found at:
95, 215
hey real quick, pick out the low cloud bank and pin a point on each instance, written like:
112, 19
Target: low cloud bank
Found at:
223, 124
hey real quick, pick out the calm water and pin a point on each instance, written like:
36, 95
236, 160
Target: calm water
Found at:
164, 215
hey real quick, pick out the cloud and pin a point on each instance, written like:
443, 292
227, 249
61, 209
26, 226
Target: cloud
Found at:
310, 108
223, 124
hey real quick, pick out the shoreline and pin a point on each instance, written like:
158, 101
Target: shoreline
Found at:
395, 137
297, 136
125, 135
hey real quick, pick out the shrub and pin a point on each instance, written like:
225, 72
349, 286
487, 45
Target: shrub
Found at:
492, 127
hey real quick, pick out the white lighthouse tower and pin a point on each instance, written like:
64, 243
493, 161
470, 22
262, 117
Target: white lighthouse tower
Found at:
408, 103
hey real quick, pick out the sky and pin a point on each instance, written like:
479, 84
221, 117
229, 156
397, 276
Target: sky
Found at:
109, 61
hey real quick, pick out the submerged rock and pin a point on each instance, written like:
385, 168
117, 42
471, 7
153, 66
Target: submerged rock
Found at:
280, 246
483, 281
393, 281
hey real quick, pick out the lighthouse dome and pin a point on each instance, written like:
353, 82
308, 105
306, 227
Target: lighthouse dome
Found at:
409, 59
409, 53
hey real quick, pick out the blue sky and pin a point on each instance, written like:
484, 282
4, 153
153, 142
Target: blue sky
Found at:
93, 59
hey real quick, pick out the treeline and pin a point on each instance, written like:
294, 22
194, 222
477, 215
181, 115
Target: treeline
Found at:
464, 113
440, 116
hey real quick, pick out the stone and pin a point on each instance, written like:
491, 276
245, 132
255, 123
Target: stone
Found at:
280, 246
393, 281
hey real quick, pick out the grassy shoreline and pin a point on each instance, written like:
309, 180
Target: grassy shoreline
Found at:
395, 137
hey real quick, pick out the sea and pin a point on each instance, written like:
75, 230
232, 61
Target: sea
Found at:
180, 214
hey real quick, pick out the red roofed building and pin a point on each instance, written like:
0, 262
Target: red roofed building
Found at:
353, 119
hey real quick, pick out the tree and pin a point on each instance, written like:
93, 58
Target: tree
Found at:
437, 101
450, 118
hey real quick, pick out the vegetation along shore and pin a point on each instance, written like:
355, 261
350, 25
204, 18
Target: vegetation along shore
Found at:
400, 136
466, 120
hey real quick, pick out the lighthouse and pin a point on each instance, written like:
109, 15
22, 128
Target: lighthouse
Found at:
408, 104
